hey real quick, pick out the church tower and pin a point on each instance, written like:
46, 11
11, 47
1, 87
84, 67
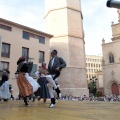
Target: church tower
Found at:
63, 19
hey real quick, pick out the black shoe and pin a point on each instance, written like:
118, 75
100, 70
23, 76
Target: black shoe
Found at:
5, 100
58, 92
26, 105
33, 99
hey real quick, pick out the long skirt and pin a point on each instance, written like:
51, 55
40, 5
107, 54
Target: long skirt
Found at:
4, 90
24, 86
43, 91
34, 83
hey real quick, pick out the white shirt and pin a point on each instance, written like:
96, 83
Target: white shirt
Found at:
37, 74
52, 61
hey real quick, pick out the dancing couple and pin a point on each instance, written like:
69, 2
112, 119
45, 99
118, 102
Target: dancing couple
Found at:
54, 68
27, 85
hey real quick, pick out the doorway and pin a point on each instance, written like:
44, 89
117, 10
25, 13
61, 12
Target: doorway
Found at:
115, 89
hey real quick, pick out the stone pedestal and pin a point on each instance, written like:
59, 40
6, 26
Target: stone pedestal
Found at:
73, 82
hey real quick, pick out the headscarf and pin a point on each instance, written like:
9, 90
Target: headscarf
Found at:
4, 78
21, 59
44, 65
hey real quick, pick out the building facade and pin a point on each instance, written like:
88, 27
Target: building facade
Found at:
99, 82
111, 61
17, 40
64, 20
94, 71
93, 65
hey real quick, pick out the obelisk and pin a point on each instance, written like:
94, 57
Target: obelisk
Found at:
63, 19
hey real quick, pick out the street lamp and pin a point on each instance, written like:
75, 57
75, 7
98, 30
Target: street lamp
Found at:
93, 85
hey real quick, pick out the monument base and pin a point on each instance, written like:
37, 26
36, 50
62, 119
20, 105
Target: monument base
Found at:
73, 82
77, 92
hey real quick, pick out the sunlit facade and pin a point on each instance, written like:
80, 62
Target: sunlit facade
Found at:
17, 40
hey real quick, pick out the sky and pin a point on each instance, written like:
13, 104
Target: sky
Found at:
97, 19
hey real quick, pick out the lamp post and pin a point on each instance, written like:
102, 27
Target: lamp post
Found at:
93, 87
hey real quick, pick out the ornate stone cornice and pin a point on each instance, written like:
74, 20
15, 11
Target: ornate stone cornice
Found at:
115, 38
64, 8
4, 21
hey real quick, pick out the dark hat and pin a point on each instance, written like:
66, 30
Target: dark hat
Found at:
21, 59
16, 73
54, 52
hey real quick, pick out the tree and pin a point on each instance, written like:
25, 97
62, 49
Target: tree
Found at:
92, 87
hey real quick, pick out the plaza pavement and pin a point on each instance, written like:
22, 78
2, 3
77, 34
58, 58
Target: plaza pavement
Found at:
64, 110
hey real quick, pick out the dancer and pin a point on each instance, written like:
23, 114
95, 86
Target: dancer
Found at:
11, 92
43, 91
51, 84
4, 86
26, 84
56, 64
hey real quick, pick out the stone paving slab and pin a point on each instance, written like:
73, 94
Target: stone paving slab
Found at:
64, 110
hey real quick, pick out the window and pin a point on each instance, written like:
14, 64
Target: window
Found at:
99, 65
96, 65
87, 75
5, 27
25, 35
42, 40
91, 65
41, 56
5, 50
111, 58
88, 64
4, 65
33, 35
25, 52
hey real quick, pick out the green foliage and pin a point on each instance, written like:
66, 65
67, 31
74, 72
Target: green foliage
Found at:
99, 94
92, 88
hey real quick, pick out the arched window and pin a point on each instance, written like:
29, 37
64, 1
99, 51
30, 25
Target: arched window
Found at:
111, 58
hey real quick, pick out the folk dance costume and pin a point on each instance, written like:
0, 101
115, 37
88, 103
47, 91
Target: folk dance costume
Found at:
4, 88
56, 64
51, 84
43, 91
26, 84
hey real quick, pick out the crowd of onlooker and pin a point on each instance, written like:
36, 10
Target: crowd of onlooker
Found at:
106, 98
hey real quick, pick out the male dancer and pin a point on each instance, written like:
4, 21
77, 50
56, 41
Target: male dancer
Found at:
55, 66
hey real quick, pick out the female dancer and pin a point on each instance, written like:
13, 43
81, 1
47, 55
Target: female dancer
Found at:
43, 91
51, 84
4, 86
26, 84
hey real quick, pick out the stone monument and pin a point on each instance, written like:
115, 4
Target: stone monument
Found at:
63, 19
